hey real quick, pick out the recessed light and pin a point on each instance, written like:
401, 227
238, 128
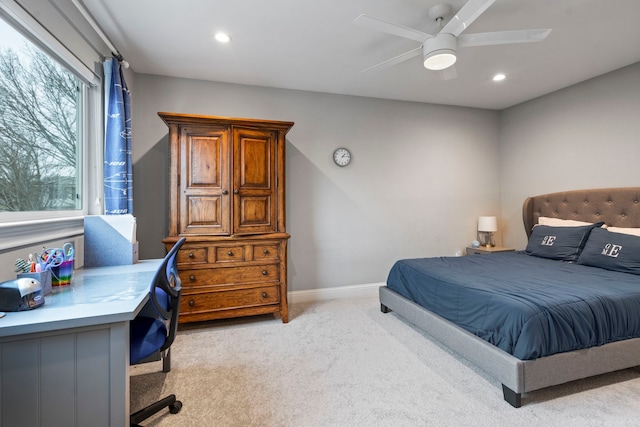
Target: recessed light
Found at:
499, 77
222, 37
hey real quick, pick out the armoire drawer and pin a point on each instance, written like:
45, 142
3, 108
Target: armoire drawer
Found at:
229, 253
188, 255
229, 299
230, 275
225, 253
267, 251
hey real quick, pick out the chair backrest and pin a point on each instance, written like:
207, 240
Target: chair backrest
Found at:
165, 293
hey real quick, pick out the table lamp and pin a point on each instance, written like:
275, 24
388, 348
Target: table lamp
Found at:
487, 225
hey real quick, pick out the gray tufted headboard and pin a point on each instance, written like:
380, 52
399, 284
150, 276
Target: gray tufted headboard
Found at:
617, 207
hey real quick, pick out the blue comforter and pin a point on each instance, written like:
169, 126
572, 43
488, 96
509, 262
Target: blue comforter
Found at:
529, 307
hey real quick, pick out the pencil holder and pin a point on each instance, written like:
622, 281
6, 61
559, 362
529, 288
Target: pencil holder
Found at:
44, 277
61, 274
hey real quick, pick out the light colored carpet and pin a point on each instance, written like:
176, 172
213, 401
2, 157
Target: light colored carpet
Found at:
344, 363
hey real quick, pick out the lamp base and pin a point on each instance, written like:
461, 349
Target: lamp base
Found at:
486, 239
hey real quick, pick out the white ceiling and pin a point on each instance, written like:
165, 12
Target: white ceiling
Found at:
312, 45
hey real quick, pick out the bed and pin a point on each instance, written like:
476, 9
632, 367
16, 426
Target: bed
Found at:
522, 367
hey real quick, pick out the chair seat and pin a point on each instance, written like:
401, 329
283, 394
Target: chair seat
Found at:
147, 336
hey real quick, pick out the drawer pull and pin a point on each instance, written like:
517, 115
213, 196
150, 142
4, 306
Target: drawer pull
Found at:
191, 255
264, 272
191, 303
192, 277
266, 251
225, 192
265, 295
230, 253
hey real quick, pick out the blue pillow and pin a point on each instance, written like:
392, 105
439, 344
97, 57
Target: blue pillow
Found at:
612, 251
560, 243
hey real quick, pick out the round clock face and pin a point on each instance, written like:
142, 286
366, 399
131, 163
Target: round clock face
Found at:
342, 157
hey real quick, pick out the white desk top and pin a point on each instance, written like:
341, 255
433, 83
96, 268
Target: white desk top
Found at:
95, 296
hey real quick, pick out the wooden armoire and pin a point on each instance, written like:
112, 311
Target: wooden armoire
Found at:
227, 197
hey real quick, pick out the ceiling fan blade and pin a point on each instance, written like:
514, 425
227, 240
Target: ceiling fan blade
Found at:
387, 27
396, 60
465, 16
503, 37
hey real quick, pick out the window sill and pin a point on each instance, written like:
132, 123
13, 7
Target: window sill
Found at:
18, 234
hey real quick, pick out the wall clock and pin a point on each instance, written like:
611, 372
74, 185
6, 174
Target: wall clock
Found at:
342, 157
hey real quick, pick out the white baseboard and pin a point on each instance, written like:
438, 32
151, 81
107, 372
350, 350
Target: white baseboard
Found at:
352, 291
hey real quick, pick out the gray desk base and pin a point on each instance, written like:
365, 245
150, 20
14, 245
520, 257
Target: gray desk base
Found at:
75, 377
67, 363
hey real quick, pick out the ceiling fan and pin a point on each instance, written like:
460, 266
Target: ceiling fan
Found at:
439, 50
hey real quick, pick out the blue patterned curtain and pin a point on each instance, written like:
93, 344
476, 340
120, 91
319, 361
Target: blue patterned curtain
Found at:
118, 175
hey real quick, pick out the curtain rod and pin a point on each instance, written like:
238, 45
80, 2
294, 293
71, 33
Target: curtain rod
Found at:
97, 29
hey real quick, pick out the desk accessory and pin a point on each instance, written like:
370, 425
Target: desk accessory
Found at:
44, 277
110, 240
20, 294
59, 261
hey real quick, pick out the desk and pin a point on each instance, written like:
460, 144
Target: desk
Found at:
67, 363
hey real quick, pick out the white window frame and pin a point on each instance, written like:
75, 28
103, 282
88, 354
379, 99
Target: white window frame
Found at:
19, 229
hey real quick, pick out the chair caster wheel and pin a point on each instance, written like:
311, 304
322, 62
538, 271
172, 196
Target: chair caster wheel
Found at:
175, 408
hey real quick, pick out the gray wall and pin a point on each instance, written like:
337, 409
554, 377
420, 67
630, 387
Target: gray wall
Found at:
584, 136
421, 174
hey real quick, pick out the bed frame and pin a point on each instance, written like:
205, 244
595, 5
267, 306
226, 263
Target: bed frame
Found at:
619, 207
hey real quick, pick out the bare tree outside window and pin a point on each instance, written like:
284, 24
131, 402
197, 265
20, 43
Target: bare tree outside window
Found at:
40, 104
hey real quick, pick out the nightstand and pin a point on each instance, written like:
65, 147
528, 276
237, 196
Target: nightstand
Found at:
483, 250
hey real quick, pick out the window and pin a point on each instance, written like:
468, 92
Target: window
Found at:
50, 131
40, 129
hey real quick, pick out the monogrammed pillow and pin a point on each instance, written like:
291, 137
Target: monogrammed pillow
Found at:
561, 243
613, 251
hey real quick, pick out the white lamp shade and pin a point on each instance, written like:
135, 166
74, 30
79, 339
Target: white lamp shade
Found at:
488, 223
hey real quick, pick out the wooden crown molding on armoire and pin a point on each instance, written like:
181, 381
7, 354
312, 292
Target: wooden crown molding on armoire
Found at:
227, 197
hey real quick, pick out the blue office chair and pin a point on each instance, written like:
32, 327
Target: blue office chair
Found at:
154, 328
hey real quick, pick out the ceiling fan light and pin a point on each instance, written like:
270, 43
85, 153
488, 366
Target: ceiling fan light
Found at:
440, 60
439, 52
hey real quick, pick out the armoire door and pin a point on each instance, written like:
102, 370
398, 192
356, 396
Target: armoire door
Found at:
254, 179
204, 181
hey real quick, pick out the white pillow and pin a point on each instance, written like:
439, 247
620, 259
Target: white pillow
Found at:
632, 231
557, 222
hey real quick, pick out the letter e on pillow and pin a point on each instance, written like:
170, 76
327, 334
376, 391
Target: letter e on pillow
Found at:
548, 240
611, 250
